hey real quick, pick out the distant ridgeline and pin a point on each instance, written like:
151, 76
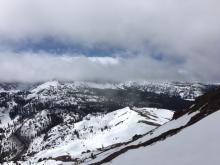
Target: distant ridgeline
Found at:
29, 110
93, 97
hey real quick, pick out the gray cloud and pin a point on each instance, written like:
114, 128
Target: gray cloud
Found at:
34, 67
188, 30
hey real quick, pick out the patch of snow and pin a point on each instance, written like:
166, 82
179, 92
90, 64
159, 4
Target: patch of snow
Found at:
5, 119
45, 86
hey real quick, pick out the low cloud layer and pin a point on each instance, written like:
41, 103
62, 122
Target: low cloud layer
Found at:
175, 29
34, 67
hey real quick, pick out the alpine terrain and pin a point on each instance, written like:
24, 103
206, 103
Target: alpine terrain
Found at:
58, 122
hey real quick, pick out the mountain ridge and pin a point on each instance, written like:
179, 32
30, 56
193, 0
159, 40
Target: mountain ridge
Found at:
203, 107
46, 116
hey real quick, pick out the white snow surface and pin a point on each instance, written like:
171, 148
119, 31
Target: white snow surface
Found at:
45, 86
197, 144
4, 117
173, 124
98, 131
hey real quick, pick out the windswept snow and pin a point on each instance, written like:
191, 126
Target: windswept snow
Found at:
159, 116
198, 144
98, 131
173, 124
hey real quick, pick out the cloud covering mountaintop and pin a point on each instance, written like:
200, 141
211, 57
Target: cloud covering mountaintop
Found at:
156, 39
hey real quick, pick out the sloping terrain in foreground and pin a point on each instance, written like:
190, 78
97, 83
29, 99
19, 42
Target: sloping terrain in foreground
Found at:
185, 140
86, 123
80, 139
198, 144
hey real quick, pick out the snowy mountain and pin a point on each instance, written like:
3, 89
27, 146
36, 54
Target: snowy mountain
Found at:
105, 130
188, 91
198, 146
76, 137
190, 138
85, 122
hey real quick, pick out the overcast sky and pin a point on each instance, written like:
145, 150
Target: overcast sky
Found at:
113, 40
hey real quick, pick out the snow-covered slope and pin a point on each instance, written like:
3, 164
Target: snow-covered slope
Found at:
140, 142
96, 132
90, 96
86, 122
4, 117
198, 144
190, 138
